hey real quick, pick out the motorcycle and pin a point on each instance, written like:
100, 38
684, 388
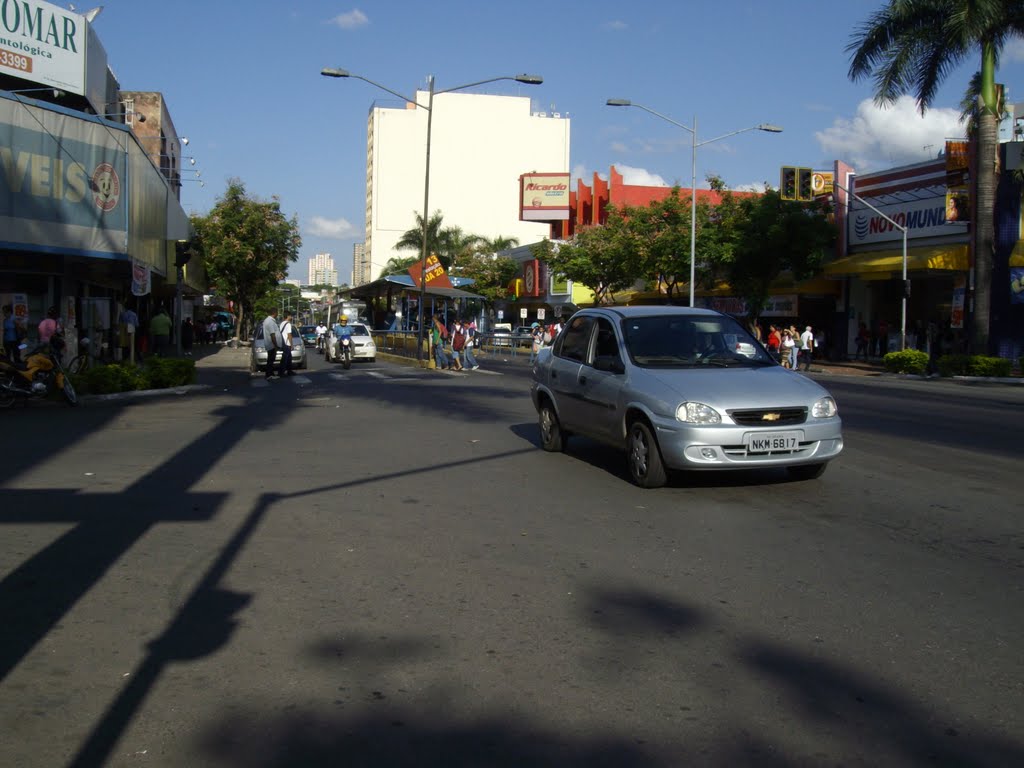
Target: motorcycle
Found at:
39, 374
346, 352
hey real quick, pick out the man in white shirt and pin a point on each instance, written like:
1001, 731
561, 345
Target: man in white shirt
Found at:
271, 342
287, 329
807, 347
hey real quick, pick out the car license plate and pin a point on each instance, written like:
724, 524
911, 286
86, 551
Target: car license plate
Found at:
767, 442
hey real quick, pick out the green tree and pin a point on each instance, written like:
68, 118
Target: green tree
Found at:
603, 258
910, 46
496, 244
491, 275
774, 236
247, 245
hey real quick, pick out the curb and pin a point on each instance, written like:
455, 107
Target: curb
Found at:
140, 394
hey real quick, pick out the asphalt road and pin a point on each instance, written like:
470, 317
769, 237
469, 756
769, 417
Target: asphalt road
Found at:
380, 567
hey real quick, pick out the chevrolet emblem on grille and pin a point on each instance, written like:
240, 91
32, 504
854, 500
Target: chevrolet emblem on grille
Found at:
771, 416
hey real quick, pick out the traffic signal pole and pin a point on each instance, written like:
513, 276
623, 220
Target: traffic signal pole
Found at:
903, 229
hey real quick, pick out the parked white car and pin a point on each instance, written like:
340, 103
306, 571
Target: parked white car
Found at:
363, 346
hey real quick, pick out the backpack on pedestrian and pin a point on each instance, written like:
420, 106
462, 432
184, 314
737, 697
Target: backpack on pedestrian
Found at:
458, 340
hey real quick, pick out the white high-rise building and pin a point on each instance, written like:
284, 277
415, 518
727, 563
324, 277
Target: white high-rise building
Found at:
480, 145
360, 267
322, 271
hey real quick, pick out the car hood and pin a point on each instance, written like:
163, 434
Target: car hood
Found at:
770, 386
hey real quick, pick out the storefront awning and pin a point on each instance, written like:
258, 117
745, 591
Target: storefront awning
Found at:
945, 258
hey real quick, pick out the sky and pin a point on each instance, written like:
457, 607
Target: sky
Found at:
242, 81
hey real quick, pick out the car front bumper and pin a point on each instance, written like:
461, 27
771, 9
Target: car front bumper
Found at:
725, 446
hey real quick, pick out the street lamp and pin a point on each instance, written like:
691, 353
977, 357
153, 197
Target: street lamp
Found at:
766, 127
527, 79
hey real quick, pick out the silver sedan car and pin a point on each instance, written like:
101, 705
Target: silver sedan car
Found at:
681, 389
258, 353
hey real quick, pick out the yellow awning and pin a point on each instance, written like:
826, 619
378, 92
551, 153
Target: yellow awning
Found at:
1017, 255
947, 258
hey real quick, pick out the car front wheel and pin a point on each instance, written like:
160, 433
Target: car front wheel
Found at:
645, 465
551, 437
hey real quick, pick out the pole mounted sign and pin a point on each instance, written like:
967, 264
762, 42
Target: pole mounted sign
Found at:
43, 43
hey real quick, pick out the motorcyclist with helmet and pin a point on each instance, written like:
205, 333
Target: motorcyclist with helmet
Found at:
342, 330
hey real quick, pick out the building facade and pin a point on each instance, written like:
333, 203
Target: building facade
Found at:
480, 144
360, 266
322, 271
89, 195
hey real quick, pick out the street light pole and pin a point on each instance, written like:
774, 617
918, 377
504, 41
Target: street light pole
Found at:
766, 127
526, 79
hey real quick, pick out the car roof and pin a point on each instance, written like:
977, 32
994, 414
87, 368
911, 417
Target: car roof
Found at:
651, 310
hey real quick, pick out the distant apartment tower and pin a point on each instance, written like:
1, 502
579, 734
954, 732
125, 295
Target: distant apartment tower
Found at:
322, 271
480, 144
360, 267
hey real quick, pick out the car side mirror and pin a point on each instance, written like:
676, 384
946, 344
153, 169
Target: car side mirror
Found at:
609, 363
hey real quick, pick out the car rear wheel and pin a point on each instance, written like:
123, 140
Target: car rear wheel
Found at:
807, 471
551, 436
645, 465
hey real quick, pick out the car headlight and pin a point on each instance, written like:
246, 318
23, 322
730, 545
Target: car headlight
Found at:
698, 413
824, 408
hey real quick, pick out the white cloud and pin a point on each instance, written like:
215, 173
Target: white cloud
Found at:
880, 137
639, 177
351, 20
1014, 50
615, 25
579, 172
335, 229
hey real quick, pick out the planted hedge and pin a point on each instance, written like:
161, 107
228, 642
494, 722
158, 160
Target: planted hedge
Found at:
906, 361
974, 365
155, 373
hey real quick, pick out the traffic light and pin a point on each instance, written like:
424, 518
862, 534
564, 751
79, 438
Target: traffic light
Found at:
182, 253
805, 191
787, 184
796, 184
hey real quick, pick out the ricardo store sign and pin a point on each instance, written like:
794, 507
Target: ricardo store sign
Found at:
544, 197
43, 43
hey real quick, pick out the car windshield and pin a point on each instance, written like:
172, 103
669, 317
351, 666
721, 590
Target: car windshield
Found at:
675, 341
359, 330
307, 329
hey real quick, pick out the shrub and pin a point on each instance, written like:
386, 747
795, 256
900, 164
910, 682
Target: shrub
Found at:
907, 361
116, 377
981, 365
164, 373
974, 365
953, 365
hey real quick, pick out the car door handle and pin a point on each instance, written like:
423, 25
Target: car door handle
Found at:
583, 379
554, 374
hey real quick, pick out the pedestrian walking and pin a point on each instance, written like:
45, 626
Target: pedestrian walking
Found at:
788, 349
774, 341
271, 342
188, 336
160, 329
438, 336
863, 337
458, 338
467, 353
536, 341
12, 335
807, 347
287, 333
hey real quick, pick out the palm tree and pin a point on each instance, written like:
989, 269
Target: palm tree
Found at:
909, 47
397, 266
412, 239
497, 244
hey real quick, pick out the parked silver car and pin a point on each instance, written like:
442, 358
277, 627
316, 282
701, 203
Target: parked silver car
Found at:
258, 355
679, 388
